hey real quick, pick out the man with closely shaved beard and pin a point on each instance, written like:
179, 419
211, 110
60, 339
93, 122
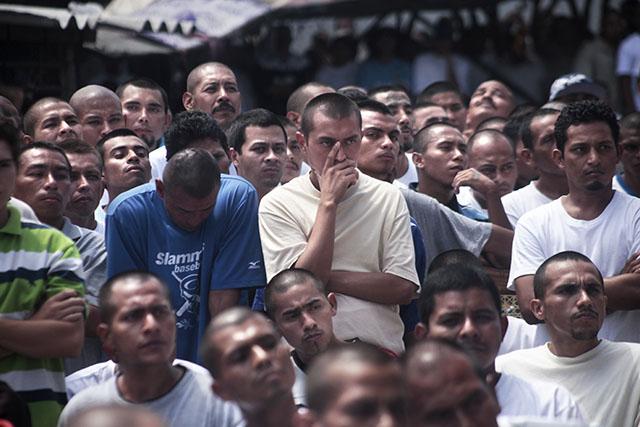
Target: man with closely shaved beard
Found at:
491, 99
51, 120
99, 111
213, 88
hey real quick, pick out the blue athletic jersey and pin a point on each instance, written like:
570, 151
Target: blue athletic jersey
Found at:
224, 253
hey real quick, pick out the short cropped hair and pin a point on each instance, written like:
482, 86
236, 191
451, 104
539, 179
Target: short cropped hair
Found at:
9, 134
75, 146
193, 171
285, 280
455, 277
513, 127
375, 106
145, 83
30, 118
191, 126
210, 353
540, 278
354, 93
116, 133
321, 388
332, 105
42, 145
258, 117
106, 307
421, 139
631, 121
584, 112
454, 256
527, 134
437, 88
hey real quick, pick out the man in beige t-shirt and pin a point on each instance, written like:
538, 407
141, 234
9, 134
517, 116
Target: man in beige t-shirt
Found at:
352, 231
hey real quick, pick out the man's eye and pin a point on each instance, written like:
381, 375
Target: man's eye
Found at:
231, 88
372, 135
133, 108
155, 109
49, 125
94, 122
455, 107
280, 149
72, 121
211, 88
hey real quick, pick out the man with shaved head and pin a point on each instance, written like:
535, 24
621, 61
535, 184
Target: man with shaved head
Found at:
9, 112
300, 97
213, 88
99, 111
250, 365
491, 99
51, 120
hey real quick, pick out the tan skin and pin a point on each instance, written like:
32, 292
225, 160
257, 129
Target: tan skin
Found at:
333, 175
590, 147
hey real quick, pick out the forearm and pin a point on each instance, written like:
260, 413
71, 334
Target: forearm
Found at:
42, 338
499, 245
223, 299
623, 292
496, 211
318, 254
381, 288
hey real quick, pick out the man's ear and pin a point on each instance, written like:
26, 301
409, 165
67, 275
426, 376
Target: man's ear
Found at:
537, 308
558, 158
334, 303
302, 142
103, 332
526, 156
160, 190
187, 101
234, 156
27, 139
418, 160
294, 117
421, 331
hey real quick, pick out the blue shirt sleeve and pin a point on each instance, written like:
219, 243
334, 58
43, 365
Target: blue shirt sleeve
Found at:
124, 241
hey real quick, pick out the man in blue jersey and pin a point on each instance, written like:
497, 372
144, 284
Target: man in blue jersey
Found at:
196, 230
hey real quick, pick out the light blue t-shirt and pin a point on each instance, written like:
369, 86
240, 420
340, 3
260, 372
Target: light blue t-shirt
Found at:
224, 253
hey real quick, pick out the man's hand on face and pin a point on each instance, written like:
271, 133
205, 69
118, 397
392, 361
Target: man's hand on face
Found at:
632, 265
474, 179
65, 306
337, 176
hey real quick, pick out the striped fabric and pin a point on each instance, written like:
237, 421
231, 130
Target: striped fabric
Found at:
36, 262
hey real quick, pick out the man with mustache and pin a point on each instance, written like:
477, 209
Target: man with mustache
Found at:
603, 376
462, 304
491, 173
212, 87
592, 219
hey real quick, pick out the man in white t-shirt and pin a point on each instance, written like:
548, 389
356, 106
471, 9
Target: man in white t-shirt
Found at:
592, 219
603, 376
303, 313
138, 329
322, 221
539, 142
461, 303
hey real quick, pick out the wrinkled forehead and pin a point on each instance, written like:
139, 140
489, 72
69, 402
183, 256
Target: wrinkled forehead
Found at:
215, 73
56, 108
102, 104
571, 271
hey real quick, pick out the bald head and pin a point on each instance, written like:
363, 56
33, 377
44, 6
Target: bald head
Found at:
9, 112
99, 110
300, 97
194, 77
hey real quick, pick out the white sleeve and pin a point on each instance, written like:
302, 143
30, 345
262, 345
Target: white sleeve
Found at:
626, 58
527, 252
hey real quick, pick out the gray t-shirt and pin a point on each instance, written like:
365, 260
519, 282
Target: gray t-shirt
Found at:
443, 229
189, 403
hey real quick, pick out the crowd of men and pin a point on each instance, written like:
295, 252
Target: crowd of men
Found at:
340, 266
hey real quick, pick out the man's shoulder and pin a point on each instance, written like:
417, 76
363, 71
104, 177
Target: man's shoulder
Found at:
136, 198
540, 214
34, 237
